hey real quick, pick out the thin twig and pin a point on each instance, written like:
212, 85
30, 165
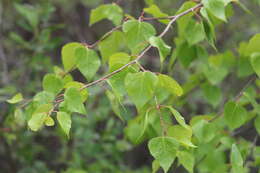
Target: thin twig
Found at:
236, 99
174, 18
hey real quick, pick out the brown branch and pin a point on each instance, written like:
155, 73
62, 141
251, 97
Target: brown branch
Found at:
104, 37
174, 18
236, 98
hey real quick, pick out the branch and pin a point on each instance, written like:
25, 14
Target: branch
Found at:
174, 18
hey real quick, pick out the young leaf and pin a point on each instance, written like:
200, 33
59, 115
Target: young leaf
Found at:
49, 121
255, 62
108, 11
74, 101
51, 83
164, 150
216, 7
163, 48
137, 33
15, 99
187, 160
64, 120
140, 87
37, 121
170, 84
236, 158
68, 55
234, 114
87, 62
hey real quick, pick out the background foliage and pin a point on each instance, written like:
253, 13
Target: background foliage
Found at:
32, 34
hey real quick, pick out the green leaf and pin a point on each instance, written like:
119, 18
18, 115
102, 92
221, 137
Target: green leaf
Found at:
111, 12
140, 87
185, 53
78, 85
68, 55
236, 158
155, 166
178, 117
170, 84
115, 104
137, 34
29, 12
208, 28
117, 60
49, 121
234, 114
214, 74
74, 101
204, 130
64, 120
257, 124
112, 44
187, 160
194, 32
44, 108
44, 97
155, 11
212, 94
16, 98
51, 83
255, 62
37, 121
216, 7
87, 62
164, 150
183, 21
253, 45
145, 124
181, 134
164, 49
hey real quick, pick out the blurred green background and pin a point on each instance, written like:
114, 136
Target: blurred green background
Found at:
32, 33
